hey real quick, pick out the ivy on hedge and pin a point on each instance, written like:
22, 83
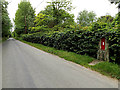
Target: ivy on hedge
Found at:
79, 41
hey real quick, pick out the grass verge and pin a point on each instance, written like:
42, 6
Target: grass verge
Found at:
105, 68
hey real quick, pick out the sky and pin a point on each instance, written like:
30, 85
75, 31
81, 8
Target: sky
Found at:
100, 7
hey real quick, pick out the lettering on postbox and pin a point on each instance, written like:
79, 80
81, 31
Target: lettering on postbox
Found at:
103, 43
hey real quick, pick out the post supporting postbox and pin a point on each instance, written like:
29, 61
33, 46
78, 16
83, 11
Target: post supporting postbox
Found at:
103, 51
103, 43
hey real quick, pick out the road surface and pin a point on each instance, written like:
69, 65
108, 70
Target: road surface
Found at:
27, 67
0, 65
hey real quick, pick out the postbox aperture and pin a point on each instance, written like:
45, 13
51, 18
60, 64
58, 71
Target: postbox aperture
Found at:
103, 43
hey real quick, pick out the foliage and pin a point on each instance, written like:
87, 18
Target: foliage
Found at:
59, 11
80, 41
6, 22
61, 4
41, 19
106, 19
14, 34
55, 17
82, 38
114, 1
85, 18
24, 17
116, 22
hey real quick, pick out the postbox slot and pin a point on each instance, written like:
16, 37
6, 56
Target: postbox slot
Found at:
103, 43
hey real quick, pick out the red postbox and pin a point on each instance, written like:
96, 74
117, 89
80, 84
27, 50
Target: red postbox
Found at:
103, 43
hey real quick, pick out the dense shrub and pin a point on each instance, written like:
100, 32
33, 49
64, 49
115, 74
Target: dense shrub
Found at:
79, 41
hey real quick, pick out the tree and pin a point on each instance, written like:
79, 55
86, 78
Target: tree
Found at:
106, 19
55, 16
6, 22
114, 1
59, 11
24, 17
117, 19
85, 18
48, 13
40, 19
61, 4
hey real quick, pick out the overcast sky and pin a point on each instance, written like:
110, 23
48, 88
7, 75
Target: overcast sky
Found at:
100, 7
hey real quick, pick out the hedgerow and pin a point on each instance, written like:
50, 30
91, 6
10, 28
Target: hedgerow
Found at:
80, 41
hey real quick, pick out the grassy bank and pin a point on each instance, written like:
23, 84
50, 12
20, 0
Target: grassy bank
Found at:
105, 68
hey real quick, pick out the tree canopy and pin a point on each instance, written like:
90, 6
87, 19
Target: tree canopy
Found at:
6, 22
55, 16
106, 19
24, 17
114, 1
59, 11
85, 18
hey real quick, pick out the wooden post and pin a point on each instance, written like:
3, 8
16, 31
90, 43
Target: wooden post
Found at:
103, 52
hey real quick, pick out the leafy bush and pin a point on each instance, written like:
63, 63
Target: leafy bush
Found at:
38, 29
79, 41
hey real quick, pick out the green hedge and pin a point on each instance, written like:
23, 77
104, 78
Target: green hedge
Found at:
79, 41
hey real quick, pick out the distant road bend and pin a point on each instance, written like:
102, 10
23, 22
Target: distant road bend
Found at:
27, 67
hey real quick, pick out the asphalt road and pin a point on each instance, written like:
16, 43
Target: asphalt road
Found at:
0, 65
27, 67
